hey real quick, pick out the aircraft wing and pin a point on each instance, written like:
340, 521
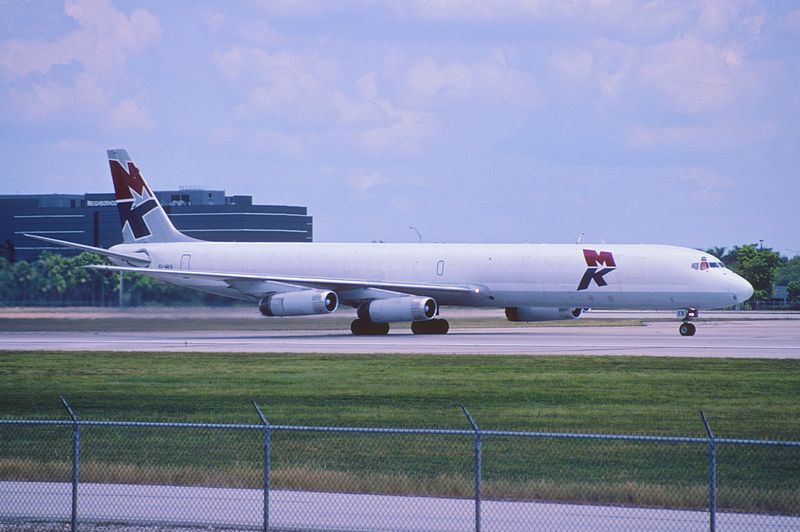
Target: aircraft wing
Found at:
138, 259
258, 285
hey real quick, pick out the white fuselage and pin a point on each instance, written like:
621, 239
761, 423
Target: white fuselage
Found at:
504, 275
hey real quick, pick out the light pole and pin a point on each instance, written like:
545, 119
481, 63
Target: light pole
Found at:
418, 235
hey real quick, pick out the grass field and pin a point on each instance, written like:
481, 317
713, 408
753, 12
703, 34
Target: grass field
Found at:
638, 395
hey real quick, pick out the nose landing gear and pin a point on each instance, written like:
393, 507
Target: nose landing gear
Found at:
687, 328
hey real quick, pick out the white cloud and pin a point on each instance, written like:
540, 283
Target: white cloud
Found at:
434, 79
307, 90
669, 136
274, 141
700, 183
406, 133
363, 181
97, 51
214, 19
281, 83
85, 100
708, 136
302, 8
593, 16
792, 20
101, 44
694, 75
128, 114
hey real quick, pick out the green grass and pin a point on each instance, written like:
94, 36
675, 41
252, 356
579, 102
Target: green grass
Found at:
638, 395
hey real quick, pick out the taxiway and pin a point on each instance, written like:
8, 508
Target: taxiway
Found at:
733, 338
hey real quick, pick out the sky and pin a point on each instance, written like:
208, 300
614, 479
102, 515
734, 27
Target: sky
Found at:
461, 120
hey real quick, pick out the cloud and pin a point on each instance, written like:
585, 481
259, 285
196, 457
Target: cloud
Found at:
95, 53
213, 19
608, 65
405, 133
792, 21
581, 17
432, 79
128, 114
274, 141
280, 83
302, 8
363, 181
307, 91
101, 44
694, 75
700, 183
730, 134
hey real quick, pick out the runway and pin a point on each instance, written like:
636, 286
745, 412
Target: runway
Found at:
728, 338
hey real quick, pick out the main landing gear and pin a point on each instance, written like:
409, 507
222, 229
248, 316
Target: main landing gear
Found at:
687, 328
362, 327
430, 327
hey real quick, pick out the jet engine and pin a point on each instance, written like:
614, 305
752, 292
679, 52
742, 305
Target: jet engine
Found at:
299, 303
542, 313
409, 308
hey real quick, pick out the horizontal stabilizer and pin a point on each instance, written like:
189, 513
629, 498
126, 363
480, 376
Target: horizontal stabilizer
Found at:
137, 259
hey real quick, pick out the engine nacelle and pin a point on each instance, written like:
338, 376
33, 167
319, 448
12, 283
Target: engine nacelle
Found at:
409, 308
299, 303
542, 313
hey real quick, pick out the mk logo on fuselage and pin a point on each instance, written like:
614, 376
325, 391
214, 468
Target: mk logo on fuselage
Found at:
594, 272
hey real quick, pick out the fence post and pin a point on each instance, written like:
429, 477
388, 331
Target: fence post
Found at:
267, 445
478, 469
712, 475
76, 460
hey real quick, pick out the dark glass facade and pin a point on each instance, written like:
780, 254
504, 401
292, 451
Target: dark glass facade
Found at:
92, 219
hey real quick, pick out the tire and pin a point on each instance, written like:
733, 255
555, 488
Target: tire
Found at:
360, 327
430, 327
687, 329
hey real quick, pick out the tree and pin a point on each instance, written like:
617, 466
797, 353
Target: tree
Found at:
87, 285
758, 266
788, 272
793, 290
51, 276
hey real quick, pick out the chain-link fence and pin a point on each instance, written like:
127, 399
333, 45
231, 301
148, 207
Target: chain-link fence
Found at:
280, 477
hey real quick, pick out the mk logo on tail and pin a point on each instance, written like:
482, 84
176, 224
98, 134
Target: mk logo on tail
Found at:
593, 273
134, 199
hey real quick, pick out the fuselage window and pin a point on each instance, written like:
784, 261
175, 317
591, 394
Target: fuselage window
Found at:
695, 265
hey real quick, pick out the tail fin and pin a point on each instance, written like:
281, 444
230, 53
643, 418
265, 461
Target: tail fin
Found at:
142, 217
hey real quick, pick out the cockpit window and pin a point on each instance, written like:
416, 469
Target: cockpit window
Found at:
704, 265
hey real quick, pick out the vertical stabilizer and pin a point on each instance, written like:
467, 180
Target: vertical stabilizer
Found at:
142, 217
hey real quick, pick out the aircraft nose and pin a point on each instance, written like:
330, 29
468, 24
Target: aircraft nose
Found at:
742, 288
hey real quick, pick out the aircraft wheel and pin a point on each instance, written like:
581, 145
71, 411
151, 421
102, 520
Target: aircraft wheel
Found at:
687, 329
430, 327
361, 327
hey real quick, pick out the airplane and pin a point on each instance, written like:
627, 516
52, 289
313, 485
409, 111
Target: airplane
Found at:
391, 283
